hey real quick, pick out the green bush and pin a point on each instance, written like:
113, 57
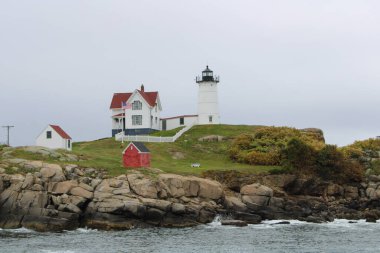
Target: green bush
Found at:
373, 144
303, 152
265, 145
352, 152
298, 155
369, 147
234, 153
329, 161
243, 142
280, 170
332, 165
375, 167
353, 171
263, 158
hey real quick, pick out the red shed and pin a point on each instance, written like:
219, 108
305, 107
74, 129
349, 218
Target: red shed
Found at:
136, 155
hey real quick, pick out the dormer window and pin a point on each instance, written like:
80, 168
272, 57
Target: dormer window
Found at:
136, 105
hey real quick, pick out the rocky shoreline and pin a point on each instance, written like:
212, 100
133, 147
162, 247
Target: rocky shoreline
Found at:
55, 198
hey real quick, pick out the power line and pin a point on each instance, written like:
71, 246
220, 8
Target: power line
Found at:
8, 128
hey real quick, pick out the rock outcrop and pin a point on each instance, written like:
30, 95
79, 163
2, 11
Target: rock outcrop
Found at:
212, 138
310, 199
56, 198
52, 198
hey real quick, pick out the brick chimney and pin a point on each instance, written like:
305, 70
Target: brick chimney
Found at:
142, 88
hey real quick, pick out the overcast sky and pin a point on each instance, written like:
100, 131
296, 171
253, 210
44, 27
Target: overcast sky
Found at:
298, 63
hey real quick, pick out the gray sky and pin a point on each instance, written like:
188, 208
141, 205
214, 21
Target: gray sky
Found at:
299, 63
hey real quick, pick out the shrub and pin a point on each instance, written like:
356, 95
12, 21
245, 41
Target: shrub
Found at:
332, 165
298, 155
371, 147
234, 153
351, 152
243, 142
375, 166
329, 161
280, 136
263, 158
353, 171
263, 148
373, 144
280, 170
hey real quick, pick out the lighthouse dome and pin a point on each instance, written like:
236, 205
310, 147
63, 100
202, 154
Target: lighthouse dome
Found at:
207, 76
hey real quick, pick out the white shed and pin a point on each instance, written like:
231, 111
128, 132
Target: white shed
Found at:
178, 121
54, 137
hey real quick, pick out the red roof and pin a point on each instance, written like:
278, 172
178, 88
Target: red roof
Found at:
119, 115
118, 98
181, 116
150, 98
60, 131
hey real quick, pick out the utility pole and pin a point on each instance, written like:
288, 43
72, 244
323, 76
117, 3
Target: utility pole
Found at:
8, 128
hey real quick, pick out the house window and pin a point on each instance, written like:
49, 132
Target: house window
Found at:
181, 121
156, 108
136, 105
210, 119
48, 134
136, 120
68, 143
156, 120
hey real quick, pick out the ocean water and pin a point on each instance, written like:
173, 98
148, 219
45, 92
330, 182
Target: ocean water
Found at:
338, 236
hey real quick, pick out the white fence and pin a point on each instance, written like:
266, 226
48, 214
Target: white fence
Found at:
146, 138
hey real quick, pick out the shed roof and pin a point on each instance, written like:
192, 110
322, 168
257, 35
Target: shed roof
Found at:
60, 131
181, 116
139, 145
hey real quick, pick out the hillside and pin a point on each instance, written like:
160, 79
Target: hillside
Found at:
173, 157
208, 145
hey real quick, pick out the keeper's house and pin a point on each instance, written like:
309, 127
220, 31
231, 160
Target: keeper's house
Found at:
135, 113
54, 137
138, 112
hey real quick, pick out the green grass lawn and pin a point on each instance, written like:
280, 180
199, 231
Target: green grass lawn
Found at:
172, 157
167, 133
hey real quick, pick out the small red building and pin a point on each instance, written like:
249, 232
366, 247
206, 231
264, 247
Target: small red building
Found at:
136, 155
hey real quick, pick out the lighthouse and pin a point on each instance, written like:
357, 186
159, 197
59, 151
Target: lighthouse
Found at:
208, 112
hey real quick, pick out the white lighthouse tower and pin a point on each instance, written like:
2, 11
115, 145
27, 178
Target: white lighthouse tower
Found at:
208, 112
